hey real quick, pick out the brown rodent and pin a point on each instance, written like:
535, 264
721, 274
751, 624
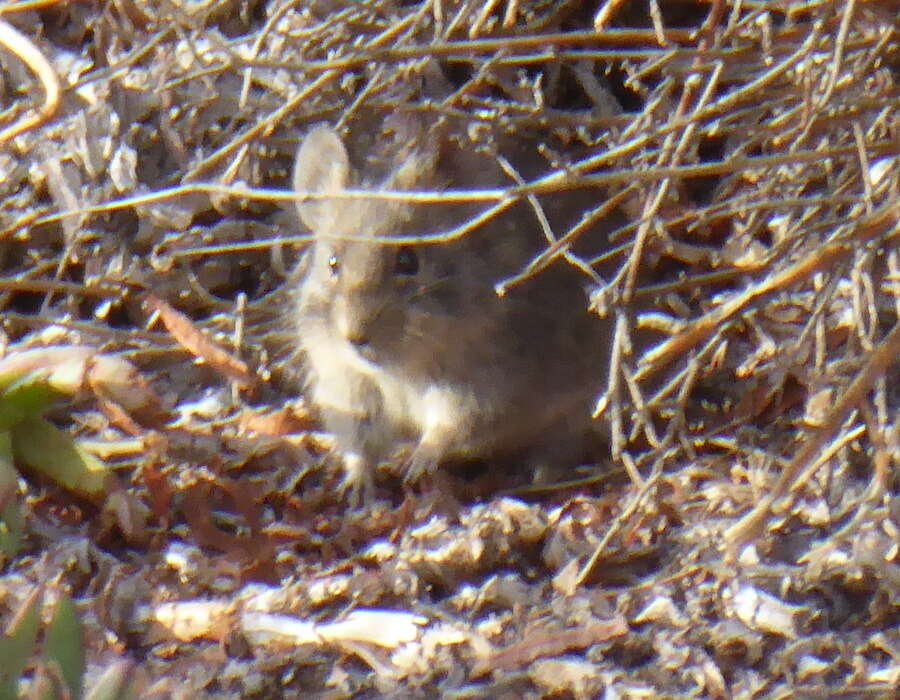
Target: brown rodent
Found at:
409, 346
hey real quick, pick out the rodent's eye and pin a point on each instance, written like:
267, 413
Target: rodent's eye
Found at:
334, 265
407, 262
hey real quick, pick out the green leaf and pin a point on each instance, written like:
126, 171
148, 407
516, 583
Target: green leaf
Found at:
6, 454
49, 451
63, 645
11, 523
12, 531
28, 396
17, 645
61, 366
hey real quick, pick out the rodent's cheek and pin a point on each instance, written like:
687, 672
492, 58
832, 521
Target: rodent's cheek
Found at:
343, 320
355, 318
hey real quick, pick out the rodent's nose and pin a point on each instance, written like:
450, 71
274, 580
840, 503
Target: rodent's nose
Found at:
355, 324
358, 339
354, 333
361, 345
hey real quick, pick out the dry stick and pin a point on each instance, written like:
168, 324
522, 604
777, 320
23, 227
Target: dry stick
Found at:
684, 139
611, 397
552, 183
546, 257
893, 261
723, 105
21, 46
122, 66
264, 33
262, 126
863, 164
458, 50
502, 197
615, 37
482, 18
420, 196
657, 20
839, 43
629, 510
871, 228
26, 5
650, 175
670, 155
39, 286
879, 360
288, 107
509, 19
500, 289
125, 338
605, 14
230, 174
829, 452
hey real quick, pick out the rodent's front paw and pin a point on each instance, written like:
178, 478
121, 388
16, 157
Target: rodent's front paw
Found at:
423, 460
358, 485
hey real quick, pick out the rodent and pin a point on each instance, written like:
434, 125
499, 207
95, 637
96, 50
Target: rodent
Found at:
409, 346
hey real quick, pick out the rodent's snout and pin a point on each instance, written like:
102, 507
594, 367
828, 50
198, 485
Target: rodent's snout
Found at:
359, 340
354, 333
369, 326
354, 327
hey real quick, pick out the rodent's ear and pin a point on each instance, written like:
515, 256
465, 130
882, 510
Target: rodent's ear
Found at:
322, 165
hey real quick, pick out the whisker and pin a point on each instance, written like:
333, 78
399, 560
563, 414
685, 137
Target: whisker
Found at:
428, 288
